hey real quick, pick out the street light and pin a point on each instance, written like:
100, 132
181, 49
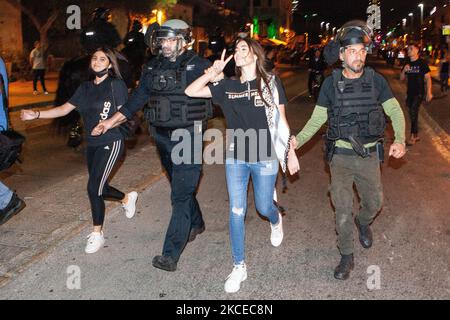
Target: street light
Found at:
421, 13
421, 22
412, 20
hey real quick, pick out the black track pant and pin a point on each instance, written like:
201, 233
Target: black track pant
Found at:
413, 103
101, 161
39, 74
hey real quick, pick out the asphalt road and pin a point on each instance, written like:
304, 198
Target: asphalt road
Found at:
409, 258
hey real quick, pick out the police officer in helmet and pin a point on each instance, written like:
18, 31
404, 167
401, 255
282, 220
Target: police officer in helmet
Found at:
161, 87
354, 100
100, 32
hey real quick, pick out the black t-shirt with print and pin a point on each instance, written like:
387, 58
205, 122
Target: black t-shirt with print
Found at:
96, 103
416, 77
244, 109
327, 94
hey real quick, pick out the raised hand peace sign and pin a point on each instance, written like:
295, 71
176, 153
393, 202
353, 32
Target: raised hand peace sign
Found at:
219, 65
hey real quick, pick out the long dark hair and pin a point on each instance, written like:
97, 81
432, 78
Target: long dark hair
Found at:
109, 53
261, 63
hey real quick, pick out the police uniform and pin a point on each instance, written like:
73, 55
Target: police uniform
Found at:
162, 88
354, 109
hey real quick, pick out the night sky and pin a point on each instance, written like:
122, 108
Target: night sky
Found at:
337, 12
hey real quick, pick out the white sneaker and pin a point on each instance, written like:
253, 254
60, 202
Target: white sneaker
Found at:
46, 92
130, 206
239, 274
276, 236
95, 242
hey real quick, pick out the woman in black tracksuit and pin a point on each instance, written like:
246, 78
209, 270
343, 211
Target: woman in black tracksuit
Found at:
96, 101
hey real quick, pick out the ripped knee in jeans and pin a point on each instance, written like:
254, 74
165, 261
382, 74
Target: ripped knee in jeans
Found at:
237, 211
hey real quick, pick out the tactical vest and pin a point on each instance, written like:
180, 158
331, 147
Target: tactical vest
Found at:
168, 105
356, 111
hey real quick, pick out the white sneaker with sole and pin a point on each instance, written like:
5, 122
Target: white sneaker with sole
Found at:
130, 206
95, 242
276, 236
233, 282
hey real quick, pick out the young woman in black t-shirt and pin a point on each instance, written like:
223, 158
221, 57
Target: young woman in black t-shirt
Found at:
249, 102
96, 101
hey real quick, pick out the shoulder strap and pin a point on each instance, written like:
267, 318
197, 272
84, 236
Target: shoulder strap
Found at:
114, 98
5, 101
187, 59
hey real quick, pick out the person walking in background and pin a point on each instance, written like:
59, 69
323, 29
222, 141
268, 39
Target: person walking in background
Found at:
418, 76
37, 61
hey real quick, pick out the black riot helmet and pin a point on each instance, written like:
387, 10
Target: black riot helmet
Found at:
173, 28
137, 25
101, 13
352, 32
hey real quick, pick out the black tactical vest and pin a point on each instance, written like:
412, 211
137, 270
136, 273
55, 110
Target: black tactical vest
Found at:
168, 105
356, 111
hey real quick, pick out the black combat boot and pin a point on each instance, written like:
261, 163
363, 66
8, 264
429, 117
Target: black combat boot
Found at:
365, 234
165, 263
194, 232
342, 271
14, 206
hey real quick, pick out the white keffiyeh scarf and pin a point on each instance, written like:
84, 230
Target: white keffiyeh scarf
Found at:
279, 130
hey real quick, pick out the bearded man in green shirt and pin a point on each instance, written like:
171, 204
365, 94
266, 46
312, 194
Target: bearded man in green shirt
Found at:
354, 100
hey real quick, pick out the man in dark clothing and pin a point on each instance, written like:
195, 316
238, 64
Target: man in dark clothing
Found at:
417, 72
316, 66
162, 85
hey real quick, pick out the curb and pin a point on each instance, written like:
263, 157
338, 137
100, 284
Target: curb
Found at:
72, 231
439, 138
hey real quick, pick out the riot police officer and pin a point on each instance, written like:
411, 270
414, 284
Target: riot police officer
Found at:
354, 100
100, 32
162, 86
135, 38
135, 49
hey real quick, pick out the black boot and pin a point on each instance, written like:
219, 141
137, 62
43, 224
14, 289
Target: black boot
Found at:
14, 206
365, 234
194, 232
342, 271
165, 263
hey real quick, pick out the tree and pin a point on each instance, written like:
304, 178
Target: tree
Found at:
40, 25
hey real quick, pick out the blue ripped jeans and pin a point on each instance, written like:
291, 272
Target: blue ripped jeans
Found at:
264, 175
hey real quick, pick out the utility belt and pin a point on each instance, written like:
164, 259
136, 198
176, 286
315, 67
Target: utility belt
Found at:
167, 132
357, 150
351, 152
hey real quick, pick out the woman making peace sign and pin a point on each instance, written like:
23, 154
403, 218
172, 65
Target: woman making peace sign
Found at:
253, 102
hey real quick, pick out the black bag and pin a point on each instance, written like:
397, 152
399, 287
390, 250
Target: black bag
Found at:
127, 129
10, 147
10, 141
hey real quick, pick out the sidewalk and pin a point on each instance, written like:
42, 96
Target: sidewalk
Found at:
21, 93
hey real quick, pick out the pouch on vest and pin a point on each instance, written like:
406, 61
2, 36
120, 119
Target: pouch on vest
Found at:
159, 109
